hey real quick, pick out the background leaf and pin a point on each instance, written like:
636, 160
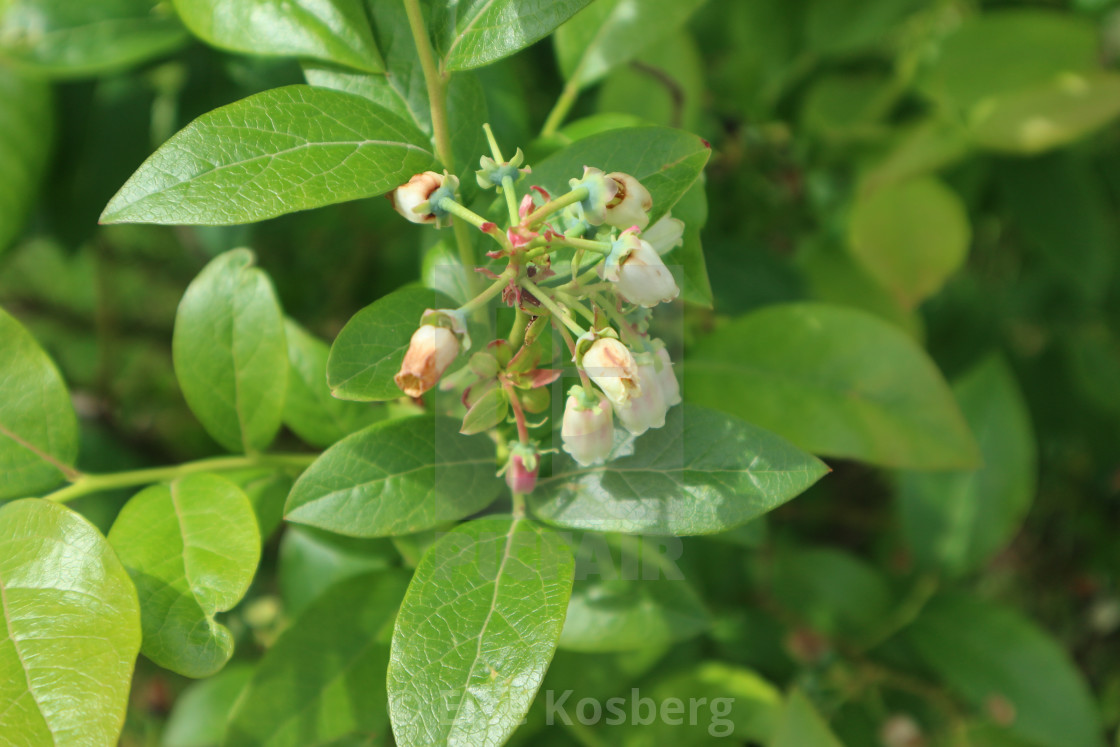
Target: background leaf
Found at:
801, 726
332, 30
473, 33
202, 710
230, 353
275, 152
476, 632
396, 477
324, 678
192, 547
703, 472
996, 659
64, 38
368, 352
955, 521
71, 628
38, 428
311, 560
26, 125
834, 381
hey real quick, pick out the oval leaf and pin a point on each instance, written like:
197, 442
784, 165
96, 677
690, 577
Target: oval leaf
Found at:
334, 30
275, 152
665, 161
476, 632
994, 658
955, 521
612, 32
477, 32
368, 352
911, 237
38, 429
703, 472
309, 409
396, 477
71, 629
230, 354
324, 678
490, 410
833, 381
26, 122
191, 547
801, 726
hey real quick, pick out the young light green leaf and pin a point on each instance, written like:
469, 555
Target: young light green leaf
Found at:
324, 678
309, 409
275, 152
955, 521
477, 629
911, 237
201, 711
666, 162
703, 472
26, 122
834, 381
64, 38
396, 477
192, 547
490, 410
311, 560
474, 33
624, 614
230, 354
71, 629
331, 30
1001, 662
801, 726
612, 32
368, 352
38, 428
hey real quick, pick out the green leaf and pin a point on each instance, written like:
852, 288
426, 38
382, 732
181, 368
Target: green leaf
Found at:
611, 32
71, 628
191, 547
1049, 116
230, 354
26, 124
38, 428
490, 410
703, 472
66, 38
917, 150
911, 237
664, 85
335, 30
201, 711
833, 381
368, 352
309, 409
324, 678
956, 521
311, 560
396, 477
998, 660
620, 614
666, 162
692, 208
476, 632
473, 33
266, 490
287, 149
801, 726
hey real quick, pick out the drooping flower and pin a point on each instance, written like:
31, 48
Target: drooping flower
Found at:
647, 409
418, 199
430, 351
665, 234
631, 203
611, 366
670, 387
588, 427
600, 191
522, 468
638, 272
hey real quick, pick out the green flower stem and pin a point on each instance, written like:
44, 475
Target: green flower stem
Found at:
519, 510
90, 483
459, 211
578, 283
550, 207
495, 288
572, 347
517, 330
495, 151
573, 303
511, 199
600, 247
636, 340
560, 110
551, 305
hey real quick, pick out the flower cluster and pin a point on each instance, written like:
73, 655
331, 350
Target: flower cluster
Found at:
587, 263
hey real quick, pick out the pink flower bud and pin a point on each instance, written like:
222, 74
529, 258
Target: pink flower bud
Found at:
407, 197
638, 272
670, 387
521, 472
430, 352
611, 366
588, 429
647, 409
631, 203
665, 234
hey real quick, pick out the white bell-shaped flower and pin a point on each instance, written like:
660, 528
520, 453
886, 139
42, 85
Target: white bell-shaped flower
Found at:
588, 428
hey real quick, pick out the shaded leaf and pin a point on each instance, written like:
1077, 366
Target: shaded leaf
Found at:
801, 726
26, 124
200, 713
623, 614
311, 560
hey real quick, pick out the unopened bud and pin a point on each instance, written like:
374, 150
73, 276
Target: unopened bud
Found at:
588, 429
430, 351
522, 468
